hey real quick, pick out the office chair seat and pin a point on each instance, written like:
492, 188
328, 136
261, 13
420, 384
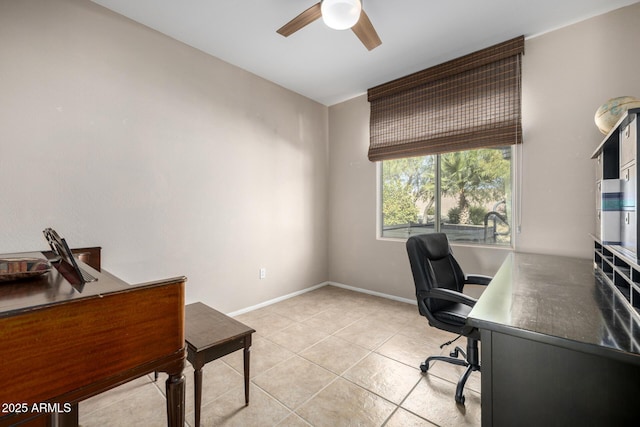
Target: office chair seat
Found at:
439, 282
455, 314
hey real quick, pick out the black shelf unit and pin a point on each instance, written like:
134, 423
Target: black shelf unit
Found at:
616, 263
617, 161
619, 277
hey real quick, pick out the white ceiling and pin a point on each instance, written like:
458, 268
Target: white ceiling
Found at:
331, 66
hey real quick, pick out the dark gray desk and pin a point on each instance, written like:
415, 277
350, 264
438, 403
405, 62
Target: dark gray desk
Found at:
557, 346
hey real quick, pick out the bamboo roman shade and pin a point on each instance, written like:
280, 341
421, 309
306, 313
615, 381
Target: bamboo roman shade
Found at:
466, 103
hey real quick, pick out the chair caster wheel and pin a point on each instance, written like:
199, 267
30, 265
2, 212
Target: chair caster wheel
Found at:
424, 367
460, 400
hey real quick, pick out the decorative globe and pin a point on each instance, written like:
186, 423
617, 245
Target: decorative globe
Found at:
610, 112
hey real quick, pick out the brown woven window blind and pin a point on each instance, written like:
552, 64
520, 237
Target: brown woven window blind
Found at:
466, 103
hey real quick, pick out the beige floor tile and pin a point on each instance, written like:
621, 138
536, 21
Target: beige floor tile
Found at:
264, 355
266, 324
298, 337
293, 420
407, 350
366, 333
334, 330
229, 410
295, 381
420, 330
335, 354
320, 299
332, 320
357, 305
385, 377
252, 316
395, 324
433, 400
397, 314
145, 406
345, 404
112, 396
297, 309
379, 320
402, 418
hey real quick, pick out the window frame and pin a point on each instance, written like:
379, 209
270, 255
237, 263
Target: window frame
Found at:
515, 202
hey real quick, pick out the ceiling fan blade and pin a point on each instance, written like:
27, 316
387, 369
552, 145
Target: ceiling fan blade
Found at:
366, 33
300, 21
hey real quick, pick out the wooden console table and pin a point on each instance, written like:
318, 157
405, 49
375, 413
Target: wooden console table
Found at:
63, 343
210, 335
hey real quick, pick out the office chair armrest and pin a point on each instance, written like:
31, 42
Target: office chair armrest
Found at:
477, 279
449, 295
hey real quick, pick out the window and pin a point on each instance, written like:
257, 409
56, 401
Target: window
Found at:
444, 137
466, 194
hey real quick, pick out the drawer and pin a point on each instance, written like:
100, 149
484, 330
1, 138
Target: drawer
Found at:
628, 187
628, 142
608, 211
628, 233
610, 194
610, 227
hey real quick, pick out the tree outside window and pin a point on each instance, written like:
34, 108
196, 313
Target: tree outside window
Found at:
472, 202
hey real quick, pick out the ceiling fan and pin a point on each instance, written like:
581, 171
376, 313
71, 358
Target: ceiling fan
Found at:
339, 15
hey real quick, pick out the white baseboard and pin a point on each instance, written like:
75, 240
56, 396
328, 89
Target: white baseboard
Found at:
374, 293
312, 288
275, 300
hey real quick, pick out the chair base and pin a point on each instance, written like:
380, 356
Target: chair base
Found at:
470, 359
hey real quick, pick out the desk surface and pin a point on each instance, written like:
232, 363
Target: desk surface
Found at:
559, 300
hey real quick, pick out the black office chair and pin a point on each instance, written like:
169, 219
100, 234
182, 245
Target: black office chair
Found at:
439, 281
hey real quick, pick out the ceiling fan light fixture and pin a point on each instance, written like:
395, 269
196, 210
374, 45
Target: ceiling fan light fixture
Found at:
340, 14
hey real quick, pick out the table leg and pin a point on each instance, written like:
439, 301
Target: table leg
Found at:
175, 400
197, 376
70, 419
62, 419
247, 354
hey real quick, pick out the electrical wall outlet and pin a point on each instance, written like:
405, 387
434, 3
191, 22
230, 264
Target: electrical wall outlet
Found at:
263, 273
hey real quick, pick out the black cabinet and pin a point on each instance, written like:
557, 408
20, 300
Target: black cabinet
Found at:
616, 243
617, 183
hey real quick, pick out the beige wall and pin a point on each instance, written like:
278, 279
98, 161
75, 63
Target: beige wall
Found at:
175, 162
566, 75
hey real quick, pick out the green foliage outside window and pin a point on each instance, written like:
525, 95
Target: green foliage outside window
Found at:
400, 207
474, 176
476, 215
474, 182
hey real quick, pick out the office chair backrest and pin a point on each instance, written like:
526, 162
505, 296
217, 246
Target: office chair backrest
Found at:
433, 266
